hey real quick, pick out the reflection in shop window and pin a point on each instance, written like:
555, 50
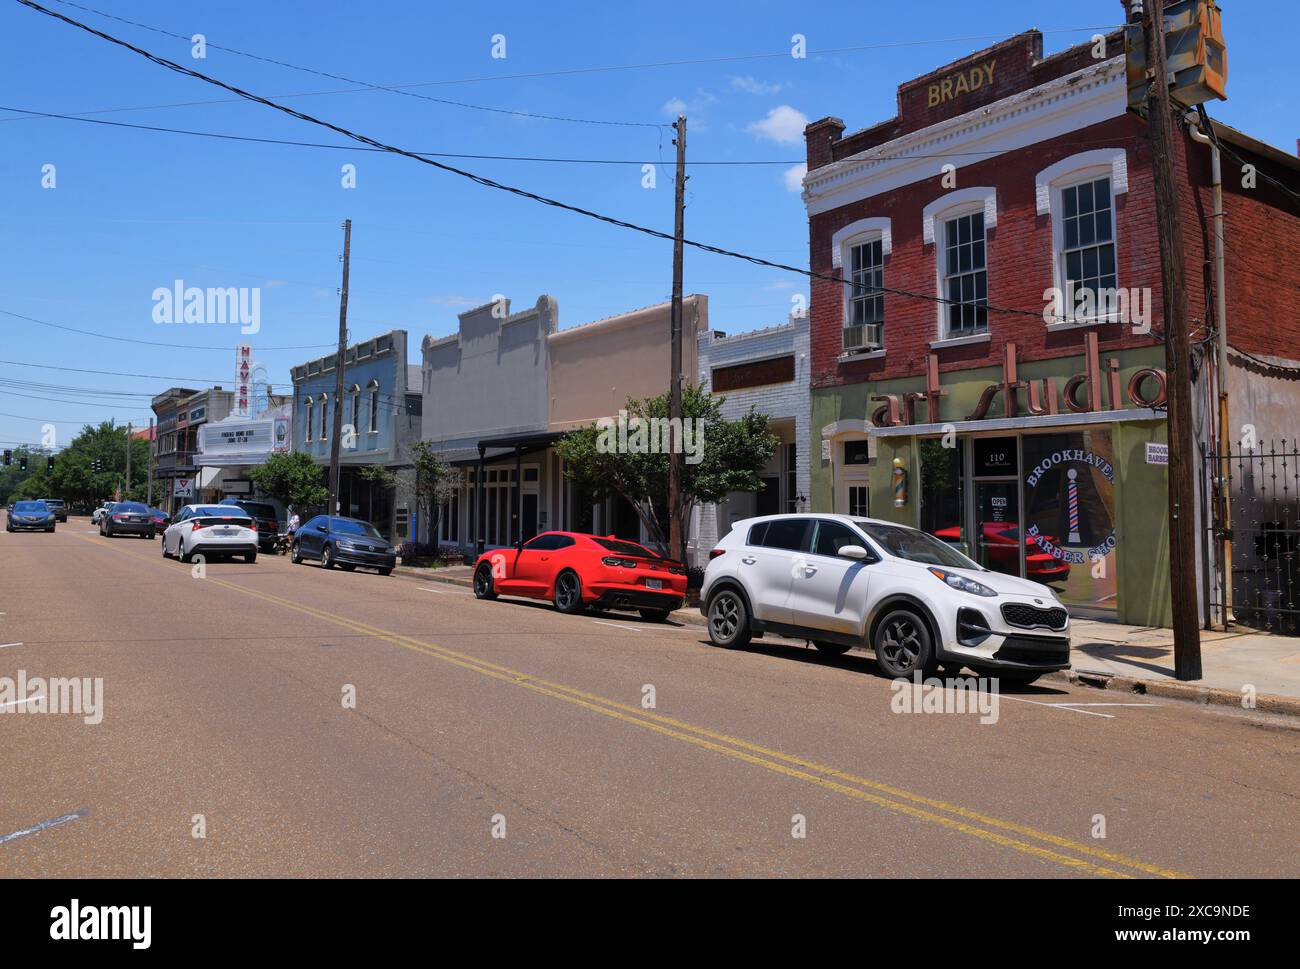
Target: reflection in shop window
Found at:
1069, 520
942, 487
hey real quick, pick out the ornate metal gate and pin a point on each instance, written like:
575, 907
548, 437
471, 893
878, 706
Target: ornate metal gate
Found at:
1255, 525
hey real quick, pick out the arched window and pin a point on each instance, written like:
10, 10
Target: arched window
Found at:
324, 416
958, 224
373, 391
354, 410
307, 423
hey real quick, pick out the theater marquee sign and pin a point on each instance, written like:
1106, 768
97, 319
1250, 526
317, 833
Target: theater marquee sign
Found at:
1081, 394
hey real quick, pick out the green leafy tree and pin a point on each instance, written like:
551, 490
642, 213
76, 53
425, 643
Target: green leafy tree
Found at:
431, 486
294, 479
731, 456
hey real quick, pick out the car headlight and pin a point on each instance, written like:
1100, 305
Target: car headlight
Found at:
343, 543
955, 581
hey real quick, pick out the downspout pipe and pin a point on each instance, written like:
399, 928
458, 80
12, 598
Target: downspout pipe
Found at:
1194, 121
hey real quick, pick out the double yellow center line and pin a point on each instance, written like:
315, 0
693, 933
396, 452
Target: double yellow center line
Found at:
1076, 856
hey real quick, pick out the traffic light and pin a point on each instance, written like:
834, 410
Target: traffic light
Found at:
22, 462
9, 457
49, 463
1195, 55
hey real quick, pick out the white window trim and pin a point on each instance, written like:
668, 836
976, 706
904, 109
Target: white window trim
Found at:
324, 399
372, 392
861, 231
855, 234
311, 405
964, 201
1049, 184
354, 394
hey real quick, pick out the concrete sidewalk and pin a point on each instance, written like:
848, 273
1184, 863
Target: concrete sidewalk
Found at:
1136, 659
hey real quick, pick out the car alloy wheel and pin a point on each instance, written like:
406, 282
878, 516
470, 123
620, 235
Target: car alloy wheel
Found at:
568, 593
327, 558
295, 554
484, 588
164, 546
728, 619
902, 644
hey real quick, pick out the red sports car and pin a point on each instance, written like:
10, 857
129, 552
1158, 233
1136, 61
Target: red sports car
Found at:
1001, 548
577, 571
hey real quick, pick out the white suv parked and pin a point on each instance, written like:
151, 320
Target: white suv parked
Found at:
918, 602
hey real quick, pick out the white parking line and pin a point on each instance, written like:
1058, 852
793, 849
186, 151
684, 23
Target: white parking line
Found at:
7, 645
601, 622
35, 828
1057, 706
443, 592
1105, 704
30, 699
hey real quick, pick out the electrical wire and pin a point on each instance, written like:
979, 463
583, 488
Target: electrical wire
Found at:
366, 85
492, 183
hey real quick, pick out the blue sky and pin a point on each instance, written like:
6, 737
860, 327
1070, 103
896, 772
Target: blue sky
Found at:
136, 210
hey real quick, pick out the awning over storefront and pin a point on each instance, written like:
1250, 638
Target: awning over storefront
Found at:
1021, 423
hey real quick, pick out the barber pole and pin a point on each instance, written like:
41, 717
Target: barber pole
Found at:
1073, 494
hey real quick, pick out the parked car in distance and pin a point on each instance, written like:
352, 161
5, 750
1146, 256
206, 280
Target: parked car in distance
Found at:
917, 601
160, 519
577, 571
127, 518
268, 525
345, 542
98, 514
210, 531
58, 506
29, 516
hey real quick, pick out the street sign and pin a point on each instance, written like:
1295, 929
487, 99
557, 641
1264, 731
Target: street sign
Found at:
1157, 453
183, 488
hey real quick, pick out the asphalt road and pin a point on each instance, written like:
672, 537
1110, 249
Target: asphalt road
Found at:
503, 739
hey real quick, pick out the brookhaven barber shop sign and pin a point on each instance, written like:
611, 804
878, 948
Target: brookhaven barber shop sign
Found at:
1072, 461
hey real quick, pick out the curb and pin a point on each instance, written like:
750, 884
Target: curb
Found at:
1170, 689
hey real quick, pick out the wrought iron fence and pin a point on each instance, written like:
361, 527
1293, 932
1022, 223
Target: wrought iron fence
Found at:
1259, 490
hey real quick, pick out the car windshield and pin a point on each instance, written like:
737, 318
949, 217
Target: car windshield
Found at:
220, 511
916, 546
30, 507
52, 501
621, 547
131, 508
346, 526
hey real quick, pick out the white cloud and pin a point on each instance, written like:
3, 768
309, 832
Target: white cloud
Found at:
751, 85
783, 125
700, 100
794, 177
453, 301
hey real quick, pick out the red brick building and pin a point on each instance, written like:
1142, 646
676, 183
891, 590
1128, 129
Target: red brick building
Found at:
959, 348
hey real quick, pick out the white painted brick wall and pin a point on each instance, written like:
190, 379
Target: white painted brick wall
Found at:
778, 401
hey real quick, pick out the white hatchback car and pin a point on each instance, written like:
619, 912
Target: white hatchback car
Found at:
917, 601
211, 530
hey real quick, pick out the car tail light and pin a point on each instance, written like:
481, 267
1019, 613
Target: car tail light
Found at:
197, 526
119, 518
253, 526
678, 570
614, 560
715, 552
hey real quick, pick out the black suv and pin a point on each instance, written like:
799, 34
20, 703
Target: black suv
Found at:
58, 506
268, 525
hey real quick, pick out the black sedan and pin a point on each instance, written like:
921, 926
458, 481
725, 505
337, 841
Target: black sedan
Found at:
343, 542
268, 525
128, 518
30, 516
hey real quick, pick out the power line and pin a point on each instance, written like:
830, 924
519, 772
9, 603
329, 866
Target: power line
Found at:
149, 343
518, 158
492, 183
686, 62
367, 85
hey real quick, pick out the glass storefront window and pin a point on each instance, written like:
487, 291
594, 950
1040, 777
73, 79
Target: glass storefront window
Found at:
943, 485
1069, 516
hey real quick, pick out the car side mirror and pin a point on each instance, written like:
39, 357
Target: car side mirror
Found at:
856, 552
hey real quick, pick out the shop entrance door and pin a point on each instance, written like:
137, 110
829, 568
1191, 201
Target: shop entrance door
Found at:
997, 534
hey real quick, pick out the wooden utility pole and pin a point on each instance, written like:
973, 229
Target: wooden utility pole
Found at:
127, 491
336, 437
1173, 281
148, 495
676, 537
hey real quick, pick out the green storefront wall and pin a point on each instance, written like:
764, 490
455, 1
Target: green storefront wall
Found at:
1141, 516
